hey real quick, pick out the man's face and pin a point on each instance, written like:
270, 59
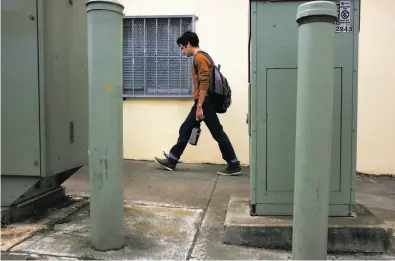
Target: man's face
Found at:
186, 50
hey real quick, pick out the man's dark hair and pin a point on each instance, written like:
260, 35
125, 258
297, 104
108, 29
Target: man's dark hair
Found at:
188, 37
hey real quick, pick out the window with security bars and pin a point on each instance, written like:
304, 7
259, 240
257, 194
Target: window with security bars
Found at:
153, 65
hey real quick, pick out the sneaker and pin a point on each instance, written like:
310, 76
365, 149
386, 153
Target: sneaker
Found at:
168, 163
232, 169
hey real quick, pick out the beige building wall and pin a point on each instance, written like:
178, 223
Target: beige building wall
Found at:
376, 93
151, 125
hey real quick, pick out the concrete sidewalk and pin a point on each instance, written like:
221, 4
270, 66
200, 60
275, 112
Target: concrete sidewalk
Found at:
175, 215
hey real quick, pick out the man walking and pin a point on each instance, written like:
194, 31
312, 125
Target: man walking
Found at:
202, 110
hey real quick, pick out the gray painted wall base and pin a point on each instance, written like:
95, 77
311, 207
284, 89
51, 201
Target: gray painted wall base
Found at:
287, 210
33, 206
362, 232
18, 189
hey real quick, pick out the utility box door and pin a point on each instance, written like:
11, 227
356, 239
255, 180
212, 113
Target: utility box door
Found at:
274, 60
20, 131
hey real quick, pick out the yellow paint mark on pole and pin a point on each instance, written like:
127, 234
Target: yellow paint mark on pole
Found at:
108, 88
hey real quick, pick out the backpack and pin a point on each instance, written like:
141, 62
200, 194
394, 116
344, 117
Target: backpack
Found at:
219, 92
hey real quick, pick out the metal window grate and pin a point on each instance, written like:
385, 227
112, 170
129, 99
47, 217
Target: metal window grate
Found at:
153, 65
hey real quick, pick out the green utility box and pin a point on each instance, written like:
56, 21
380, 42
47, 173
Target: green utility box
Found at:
44, 96
272, 105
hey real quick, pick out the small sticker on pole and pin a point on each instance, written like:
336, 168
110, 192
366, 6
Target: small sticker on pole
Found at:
344, 20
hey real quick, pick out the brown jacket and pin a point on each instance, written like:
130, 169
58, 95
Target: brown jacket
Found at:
202, 79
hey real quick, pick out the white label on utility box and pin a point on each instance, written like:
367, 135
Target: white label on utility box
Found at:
344, 24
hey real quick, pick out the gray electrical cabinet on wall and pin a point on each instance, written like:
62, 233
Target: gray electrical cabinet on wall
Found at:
272, 106
44, 102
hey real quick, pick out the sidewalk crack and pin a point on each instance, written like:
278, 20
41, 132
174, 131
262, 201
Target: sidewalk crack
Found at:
200, 224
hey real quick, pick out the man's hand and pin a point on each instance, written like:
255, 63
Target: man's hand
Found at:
199, 108
199, 113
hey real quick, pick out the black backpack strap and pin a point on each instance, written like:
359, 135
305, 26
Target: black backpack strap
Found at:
208, 57
196, 69
194, 63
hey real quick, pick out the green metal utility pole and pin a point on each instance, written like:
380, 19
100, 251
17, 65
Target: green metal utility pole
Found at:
105, 123
315, 91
